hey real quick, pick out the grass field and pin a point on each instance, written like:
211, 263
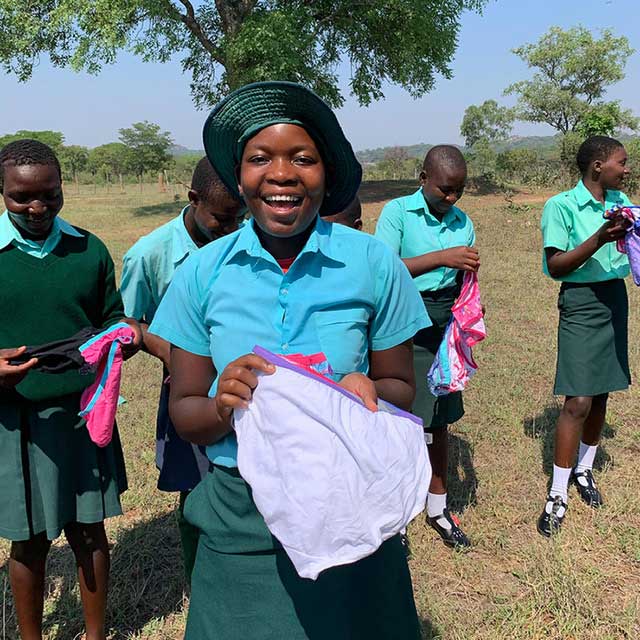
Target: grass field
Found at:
585, 584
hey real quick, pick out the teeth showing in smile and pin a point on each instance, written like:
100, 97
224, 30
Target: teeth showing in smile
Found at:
282, 198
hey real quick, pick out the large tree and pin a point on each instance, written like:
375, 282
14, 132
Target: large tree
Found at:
572, 72
488, 121
226, 43
147, 148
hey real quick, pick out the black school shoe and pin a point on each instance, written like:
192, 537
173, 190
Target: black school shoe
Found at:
587, 488
452, 537
552, 515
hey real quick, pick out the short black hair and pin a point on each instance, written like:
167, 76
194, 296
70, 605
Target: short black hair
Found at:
444, 155
352, 211
207, 183
595, 148
26, 151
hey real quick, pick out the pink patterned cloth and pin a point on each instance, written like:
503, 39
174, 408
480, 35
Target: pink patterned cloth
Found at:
630, 244
99, 401
454, 365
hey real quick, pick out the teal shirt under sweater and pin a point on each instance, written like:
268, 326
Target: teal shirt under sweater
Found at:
52, 298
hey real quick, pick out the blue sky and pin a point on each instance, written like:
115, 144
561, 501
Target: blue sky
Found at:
91, 109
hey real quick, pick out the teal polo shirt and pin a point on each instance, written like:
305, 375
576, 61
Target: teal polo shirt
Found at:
570, 218
11, 235
345, 294
149, 266
411, 230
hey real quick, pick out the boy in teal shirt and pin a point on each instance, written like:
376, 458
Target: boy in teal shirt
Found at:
435, 241
148, 269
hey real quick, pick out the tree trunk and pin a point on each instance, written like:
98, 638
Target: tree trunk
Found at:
140, 181
121, 183
75, 179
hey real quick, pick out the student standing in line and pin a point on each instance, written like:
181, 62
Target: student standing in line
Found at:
580, 252
55, 280
292, 283
435, 239
148, 268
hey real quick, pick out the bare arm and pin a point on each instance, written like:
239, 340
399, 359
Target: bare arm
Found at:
464, 258
198, 418
561, 263
391, 378
155, 345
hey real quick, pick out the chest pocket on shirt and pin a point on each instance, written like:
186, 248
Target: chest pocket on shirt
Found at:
344, 337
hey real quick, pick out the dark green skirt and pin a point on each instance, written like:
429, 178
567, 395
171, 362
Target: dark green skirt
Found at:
244, 585
592, 339
51, 473
436, 411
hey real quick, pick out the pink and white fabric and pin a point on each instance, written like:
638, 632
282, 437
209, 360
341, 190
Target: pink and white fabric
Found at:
99, 401
630, 244
332, 479
454, 365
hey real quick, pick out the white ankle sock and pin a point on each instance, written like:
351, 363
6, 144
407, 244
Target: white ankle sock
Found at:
436, 503
586, 456
560, 483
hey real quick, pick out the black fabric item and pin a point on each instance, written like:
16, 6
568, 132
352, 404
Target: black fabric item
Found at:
59, 356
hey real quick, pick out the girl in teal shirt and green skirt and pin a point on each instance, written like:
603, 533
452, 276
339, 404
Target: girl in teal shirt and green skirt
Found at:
292, 283
580, 252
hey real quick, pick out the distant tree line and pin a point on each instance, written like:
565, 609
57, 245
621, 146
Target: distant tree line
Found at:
142, 154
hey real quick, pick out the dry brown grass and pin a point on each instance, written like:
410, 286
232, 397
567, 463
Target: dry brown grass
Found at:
513, 584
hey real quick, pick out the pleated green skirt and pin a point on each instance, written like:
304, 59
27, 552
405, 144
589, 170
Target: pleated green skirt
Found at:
244, 585
51, 473
436, 411
592, 339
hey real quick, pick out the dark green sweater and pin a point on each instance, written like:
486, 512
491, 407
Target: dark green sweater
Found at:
52, 298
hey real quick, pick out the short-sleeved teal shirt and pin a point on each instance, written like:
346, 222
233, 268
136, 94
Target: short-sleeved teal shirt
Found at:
409, 228
345, 294
570, 218
149, 266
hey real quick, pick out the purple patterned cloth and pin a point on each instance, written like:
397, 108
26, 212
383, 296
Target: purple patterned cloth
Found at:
630, 244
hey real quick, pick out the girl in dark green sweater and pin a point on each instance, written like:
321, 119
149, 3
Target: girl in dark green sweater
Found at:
55, 279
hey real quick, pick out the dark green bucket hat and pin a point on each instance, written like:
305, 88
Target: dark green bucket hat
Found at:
248, 110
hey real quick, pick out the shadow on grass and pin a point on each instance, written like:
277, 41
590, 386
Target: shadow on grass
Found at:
543, 427
146, 583
163, 209
429, 630
462, 481
379, 190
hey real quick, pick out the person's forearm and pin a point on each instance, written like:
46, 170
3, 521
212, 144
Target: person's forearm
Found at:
155, 346
564, 263
197, 420
397, 392
423, 264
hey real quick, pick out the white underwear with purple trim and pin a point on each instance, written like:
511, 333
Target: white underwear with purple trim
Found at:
331, 479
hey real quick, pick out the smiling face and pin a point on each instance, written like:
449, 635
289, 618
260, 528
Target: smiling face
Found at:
442, 187
282, 179
33, 196
613, 170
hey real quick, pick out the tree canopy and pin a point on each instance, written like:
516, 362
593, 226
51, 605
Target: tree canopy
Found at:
572, 72
227, 43
146, 147
54, 139
488, 121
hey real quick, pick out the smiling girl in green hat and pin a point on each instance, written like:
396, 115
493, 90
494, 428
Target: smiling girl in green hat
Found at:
291, 283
